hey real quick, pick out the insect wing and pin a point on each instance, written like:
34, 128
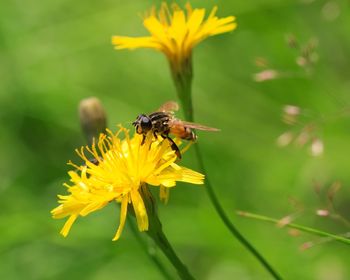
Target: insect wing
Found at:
194, 125
169, 106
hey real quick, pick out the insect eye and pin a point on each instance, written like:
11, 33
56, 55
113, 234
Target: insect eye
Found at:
145, 119
146, 123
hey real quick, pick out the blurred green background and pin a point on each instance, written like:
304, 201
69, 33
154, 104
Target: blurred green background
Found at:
55, 53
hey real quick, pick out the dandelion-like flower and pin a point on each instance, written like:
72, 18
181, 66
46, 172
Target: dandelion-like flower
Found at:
175, 32
115, 170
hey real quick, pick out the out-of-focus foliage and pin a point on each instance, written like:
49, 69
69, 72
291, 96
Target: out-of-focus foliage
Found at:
54, 53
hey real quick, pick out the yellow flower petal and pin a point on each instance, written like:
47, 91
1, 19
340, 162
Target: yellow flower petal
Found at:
123, 212
175, 34
68, 224
134, 43
120, 167
194, 23
140, 210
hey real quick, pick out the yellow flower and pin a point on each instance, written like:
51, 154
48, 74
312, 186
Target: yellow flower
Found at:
114, 170
175, 34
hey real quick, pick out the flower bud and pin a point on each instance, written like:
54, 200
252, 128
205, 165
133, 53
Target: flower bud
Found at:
92, 117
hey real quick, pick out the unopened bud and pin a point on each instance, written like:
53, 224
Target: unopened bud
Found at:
92, 117
322, 212
291, 110
317, 147
265, 75
290, 114
285, 139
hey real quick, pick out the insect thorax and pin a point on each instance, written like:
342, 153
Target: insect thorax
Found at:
160, 122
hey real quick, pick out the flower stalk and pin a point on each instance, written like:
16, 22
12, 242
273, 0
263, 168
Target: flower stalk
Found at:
184, 93
188, 111
231, 227
155, 231
182, 75
149, 250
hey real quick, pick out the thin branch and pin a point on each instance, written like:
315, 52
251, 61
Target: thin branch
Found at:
296, 226
148, 250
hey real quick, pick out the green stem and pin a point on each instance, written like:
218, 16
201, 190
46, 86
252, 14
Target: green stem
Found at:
155, 231
296, 226
149, 251
214, 200
163, 243
182, 74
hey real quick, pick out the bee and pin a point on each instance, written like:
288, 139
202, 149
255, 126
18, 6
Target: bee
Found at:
163, 122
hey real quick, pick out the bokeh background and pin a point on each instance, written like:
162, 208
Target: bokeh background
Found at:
55, 53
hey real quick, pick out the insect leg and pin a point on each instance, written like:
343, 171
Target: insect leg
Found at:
173, 145
143, 139
95, 161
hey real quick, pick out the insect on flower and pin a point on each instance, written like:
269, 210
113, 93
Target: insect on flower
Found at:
163, 122
124, 168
